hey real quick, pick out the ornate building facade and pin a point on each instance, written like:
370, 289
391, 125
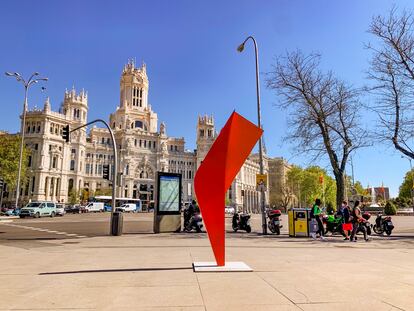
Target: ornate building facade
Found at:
57, 168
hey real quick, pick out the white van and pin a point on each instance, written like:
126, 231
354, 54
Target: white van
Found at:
94, 207
127, 207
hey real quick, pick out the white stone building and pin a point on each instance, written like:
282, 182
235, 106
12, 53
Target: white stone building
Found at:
56, 167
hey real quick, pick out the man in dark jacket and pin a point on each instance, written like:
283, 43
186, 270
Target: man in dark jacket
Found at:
190, 211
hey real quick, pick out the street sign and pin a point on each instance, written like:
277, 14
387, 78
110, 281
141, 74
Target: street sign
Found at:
261, 182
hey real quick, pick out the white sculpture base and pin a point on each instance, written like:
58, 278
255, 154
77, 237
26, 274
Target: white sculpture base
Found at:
235, 266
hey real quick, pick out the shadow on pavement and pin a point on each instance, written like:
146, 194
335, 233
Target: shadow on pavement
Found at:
116, 270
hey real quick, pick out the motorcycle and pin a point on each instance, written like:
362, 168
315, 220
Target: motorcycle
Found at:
274, 221
383, 224
195, 222
333, 224
241, 222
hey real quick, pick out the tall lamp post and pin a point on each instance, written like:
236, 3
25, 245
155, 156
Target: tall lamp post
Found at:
32, 80
259, 124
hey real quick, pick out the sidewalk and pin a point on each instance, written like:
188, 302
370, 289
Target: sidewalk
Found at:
153, 272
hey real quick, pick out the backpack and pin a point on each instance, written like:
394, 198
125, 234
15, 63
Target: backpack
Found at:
346, 215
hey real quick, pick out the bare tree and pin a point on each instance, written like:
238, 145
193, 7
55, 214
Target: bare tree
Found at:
285, 198
392, 70
323, 112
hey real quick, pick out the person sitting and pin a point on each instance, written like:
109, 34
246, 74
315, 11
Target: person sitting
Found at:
190, 211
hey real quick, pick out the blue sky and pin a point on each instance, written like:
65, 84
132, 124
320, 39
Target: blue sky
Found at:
193, 66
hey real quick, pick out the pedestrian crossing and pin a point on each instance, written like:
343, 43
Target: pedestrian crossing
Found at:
74, 235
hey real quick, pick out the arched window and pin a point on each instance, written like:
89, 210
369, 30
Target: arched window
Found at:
70, 186
135, 192
126, 191
138, 124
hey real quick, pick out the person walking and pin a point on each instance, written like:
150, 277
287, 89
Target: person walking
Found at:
357, 223
316, 211
346, 219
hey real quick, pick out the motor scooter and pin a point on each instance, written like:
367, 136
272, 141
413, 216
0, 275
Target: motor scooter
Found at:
241, 222
383, 224
274, 221
194, 222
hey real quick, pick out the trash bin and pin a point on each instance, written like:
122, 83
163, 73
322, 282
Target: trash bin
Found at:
117, 223
299, 219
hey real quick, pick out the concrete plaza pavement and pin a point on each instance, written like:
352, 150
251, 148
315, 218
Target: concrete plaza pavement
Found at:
144, 271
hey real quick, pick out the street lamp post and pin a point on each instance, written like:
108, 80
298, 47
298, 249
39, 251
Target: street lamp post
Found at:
259, 124
32, 80
115, 172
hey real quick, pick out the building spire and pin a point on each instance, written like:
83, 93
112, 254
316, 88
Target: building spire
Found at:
46, 107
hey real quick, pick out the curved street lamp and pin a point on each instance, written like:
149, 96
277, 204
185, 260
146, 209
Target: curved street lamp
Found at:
32, 80
259, 124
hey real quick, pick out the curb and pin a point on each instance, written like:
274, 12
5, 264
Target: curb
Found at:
8, 217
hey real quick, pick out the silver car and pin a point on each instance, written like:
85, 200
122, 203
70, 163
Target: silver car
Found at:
60, 209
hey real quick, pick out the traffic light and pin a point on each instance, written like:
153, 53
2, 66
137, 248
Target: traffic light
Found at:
1, 183
65, 133
105, 170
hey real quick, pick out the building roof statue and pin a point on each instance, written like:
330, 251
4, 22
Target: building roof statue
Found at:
163, 129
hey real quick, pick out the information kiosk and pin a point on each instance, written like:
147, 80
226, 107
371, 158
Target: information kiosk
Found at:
167, 211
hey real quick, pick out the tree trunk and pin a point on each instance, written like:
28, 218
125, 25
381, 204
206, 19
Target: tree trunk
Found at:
340, 189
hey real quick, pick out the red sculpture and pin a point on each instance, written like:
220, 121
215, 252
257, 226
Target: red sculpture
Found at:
216, 173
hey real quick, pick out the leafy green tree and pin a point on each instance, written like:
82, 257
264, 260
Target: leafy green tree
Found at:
359, 188
84, 194
9, 160
102, 191
307, 185
74, 197
390, 208
406, 186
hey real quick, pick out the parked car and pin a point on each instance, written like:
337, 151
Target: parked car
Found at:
74, 209
60, 209
38, 209
12, 212
229, 210
127, 207
94, 207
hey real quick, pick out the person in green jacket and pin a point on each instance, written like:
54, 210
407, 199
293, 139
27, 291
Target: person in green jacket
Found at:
317, 214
